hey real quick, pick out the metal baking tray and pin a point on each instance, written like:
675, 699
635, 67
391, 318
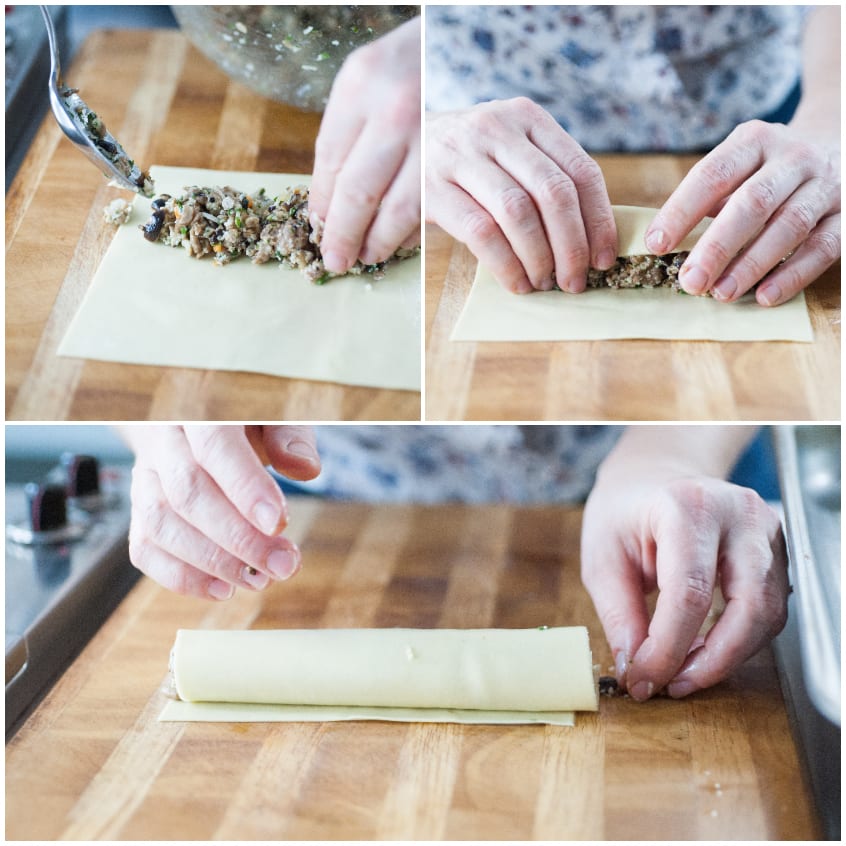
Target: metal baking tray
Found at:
809, 473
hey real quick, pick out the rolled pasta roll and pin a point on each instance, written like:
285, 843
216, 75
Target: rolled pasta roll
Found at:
545, 669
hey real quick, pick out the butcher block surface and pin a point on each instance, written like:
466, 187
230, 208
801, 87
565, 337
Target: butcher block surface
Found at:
168, 105
92, 762
631, 379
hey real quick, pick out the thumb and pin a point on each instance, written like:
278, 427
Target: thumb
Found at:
292, 451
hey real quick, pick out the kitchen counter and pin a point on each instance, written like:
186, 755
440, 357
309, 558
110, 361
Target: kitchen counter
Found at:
631, 379
168, 105
92, 762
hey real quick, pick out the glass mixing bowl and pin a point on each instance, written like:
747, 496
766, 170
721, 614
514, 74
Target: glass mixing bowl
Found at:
287, 53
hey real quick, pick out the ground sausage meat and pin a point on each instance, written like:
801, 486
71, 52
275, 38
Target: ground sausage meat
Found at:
225, 224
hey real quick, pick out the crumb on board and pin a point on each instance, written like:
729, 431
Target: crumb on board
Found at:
609, 686
117, 212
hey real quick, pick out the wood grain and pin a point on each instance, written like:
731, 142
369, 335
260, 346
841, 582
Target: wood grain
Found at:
624, 380
169, 105
92, 762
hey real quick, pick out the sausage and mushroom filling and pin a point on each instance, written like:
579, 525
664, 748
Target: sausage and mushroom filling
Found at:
225, 224
640, 272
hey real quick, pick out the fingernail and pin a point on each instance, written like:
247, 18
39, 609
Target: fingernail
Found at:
370, 256
254, 578
576, 285
693, 279
268, 517
725, 289
642, 691
283, 563
522, 286
546, 284
303, 449
656, 241
621, 665
335, 262
769, 294
220, 590
606, 259
680, 688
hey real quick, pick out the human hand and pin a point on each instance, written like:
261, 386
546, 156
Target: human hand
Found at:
685, 536
205, 514
366, 185
507, 180
773, 190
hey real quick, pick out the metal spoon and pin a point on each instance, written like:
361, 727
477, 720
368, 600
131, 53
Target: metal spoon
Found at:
84, 129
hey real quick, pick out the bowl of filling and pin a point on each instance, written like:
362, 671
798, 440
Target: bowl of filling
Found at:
286, 53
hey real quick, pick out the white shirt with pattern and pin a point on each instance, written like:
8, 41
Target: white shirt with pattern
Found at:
479, 463
627, 78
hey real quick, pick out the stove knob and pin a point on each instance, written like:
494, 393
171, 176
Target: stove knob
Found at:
47, 507
83, 475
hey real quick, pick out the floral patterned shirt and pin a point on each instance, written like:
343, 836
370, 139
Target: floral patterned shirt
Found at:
430, 464
624, 78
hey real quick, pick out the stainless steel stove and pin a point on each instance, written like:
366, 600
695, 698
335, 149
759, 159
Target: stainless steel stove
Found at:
27, 69
67, 567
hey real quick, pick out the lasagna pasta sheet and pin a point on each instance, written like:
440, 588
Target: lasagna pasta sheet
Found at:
632, 223
493, 314
431, 675
152, 304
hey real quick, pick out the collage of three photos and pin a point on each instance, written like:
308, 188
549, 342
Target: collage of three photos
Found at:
423, 422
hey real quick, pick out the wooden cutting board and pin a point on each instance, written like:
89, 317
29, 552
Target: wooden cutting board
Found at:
92, 762
168, 105
624, 380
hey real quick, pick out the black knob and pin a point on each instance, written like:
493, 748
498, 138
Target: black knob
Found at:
47, 507
82, 473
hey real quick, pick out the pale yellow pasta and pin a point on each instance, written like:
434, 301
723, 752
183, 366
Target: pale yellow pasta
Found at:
484, 675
